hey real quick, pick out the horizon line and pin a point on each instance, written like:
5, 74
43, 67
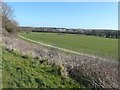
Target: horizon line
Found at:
67, 27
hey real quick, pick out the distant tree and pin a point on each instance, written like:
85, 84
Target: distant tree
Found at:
93, 32
108, 34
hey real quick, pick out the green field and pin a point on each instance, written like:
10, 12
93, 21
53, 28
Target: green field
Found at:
102, 47
28, 72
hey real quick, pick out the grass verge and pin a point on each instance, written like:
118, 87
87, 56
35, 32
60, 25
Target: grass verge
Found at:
28, 72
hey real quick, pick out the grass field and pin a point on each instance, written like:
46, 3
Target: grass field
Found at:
28, 72
103, 47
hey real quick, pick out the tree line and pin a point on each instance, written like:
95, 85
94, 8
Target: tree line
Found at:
100, 33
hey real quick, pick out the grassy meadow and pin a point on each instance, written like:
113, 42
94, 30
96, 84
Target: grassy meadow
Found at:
103, 47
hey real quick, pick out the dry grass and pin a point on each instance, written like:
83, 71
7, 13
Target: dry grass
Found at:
92, 72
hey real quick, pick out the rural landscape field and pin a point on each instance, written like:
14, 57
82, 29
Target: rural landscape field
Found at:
59, 45
104, 47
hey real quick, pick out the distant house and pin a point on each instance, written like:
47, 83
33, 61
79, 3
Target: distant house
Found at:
61, 29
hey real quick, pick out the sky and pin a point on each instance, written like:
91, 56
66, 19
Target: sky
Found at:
87, 15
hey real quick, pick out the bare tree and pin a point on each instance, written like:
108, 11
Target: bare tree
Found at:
8, 21
7, 11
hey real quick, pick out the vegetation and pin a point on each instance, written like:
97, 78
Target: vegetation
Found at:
103, 47
8, 21
32, 73
23, 71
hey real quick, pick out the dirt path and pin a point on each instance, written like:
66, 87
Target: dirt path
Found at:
86, 69
62, 49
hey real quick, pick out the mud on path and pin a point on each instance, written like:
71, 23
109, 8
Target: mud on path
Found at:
90, 71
